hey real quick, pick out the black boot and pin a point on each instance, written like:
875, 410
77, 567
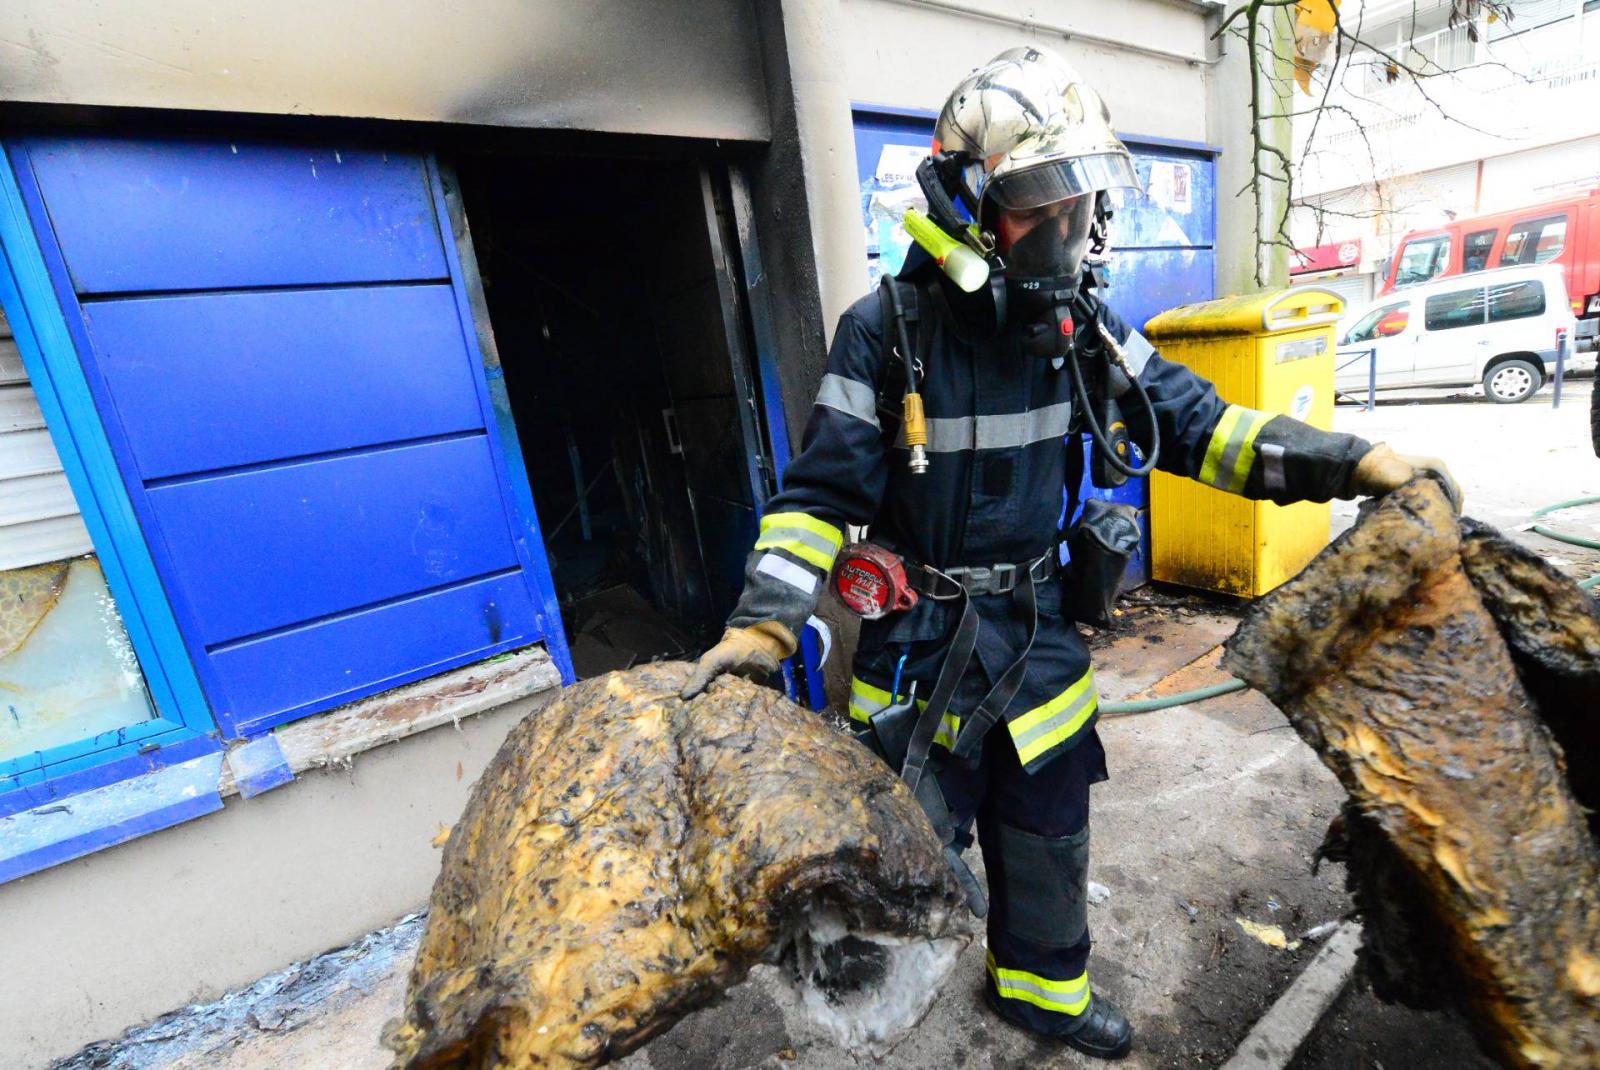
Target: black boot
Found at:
1102, 1030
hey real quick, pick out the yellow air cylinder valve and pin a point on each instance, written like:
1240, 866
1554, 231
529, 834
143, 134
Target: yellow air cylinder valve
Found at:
916, 432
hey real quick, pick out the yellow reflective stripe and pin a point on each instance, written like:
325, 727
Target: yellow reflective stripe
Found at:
949, 729
811, 540
1042, 727
866, 700
805, 522
1246, 458
1023, 724
1231, 451
1219, 442
1064, 997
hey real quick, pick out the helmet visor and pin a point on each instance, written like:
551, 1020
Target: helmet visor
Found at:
1057, 180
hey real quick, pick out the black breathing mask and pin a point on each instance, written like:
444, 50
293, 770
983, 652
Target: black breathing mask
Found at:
1037, 285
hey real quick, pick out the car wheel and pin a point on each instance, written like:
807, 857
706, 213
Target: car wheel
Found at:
1512, 381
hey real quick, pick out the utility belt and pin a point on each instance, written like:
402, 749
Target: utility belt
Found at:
873, 581
943, 585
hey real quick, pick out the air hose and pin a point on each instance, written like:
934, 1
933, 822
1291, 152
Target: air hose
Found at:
1098, 433
1562, 536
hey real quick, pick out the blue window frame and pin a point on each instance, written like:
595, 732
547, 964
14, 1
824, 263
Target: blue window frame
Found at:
183, 728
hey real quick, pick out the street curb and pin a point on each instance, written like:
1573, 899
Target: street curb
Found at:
1277, 1036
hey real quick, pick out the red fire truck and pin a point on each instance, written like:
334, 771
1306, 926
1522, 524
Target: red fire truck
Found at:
1566, 232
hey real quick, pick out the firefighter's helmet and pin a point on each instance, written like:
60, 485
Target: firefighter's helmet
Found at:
1034, 131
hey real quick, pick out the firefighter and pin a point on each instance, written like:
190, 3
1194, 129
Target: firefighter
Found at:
988, 644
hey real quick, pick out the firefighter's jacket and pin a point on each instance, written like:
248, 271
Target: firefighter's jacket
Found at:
999, 458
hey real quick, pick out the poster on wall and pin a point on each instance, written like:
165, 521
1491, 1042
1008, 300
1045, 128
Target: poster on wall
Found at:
886, 193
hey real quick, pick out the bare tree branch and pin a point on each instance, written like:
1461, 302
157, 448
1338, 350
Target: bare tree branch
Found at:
1272, 169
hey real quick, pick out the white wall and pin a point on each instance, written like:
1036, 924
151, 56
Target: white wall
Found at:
1542, 174
911, 56
96, 945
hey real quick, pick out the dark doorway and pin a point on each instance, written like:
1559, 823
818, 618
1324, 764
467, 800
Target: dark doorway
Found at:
612, 323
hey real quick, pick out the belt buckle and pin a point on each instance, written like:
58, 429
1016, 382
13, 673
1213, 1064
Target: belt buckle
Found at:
1040, 568
951, 580
1005, 578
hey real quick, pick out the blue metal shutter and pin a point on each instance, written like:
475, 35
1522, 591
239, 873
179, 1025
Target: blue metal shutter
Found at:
1164, 239
280, 349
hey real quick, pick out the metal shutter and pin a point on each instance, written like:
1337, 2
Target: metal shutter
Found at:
278, 342
39, 519
1355, 289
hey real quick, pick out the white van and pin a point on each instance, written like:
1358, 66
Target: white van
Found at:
1497, 328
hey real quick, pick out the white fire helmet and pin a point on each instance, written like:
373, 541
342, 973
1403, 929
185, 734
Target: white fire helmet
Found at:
1036, 133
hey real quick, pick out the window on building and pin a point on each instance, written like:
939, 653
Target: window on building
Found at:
69, 672
1448, 49
1515, 301
1531, 15
1459, 308
1383, 322
1535, 241
1475, 250
1422, 259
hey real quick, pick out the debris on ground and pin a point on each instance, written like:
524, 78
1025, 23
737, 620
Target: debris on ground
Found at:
1271, 935
618, 628
1440, 670
627, 856
202, 1035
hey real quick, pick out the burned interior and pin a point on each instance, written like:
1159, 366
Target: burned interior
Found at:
612, 327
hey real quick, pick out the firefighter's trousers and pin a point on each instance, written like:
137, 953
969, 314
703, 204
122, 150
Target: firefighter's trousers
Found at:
1034, 834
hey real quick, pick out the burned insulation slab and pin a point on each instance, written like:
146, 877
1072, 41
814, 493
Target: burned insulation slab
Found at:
627, 856
1446, 677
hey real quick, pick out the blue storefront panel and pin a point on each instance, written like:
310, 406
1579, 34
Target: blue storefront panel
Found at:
258, 376
1164, 238
288, 545
277, 343
134, 214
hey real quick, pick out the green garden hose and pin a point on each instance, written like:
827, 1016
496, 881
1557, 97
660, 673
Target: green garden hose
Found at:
1146, 705
1562, 536
1227, 687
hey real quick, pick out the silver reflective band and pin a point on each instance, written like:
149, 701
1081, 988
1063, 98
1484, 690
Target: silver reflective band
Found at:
783, 569
1011, 430
849, 397
1088, 697
1137, 350
1272, 467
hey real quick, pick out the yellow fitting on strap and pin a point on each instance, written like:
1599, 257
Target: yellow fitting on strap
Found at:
915, 424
